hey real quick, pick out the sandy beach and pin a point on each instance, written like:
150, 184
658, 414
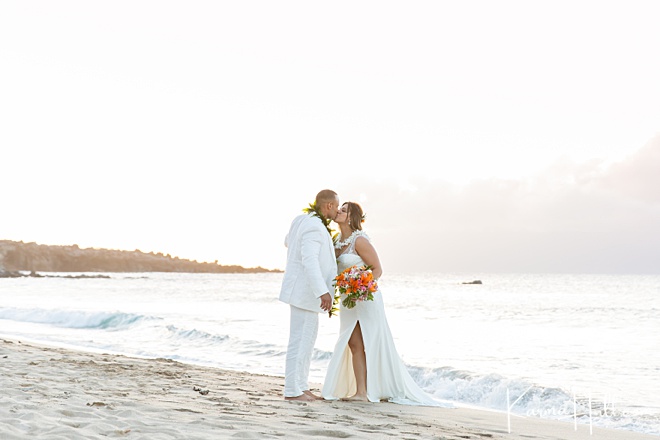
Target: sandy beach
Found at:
54, 393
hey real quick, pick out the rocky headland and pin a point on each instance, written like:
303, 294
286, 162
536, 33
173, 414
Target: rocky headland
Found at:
16, 256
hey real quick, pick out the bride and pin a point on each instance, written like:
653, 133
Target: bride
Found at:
365, 365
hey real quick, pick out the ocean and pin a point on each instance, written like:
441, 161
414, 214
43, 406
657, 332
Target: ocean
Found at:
582, 348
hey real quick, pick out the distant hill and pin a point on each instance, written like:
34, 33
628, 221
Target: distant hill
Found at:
19, 256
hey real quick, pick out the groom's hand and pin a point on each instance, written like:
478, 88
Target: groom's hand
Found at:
326, 302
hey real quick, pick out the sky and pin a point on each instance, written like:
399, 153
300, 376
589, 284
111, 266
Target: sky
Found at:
508, 136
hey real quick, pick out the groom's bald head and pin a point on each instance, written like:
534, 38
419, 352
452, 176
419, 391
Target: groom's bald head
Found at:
327, 202
325, 196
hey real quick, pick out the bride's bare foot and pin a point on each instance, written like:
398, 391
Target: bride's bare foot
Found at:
312, 395
302, 398
356, 398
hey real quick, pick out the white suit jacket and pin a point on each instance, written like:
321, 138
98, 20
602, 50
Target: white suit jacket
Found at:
311, 265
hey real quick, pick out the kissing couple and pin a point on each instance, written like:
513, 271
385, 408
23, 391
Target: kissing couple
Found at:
365, 365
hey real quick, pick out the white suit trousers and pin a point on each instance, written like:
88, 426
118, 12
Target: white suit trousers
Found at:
304, 327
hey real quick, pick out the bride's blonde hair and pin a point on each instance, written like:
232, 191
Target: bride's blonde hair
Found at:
355, 215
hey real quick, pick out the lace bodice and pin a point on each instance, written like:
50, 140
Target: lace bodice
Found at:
350, 257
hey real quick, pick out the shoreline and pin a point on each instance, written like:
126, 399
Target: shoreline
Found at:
56, 393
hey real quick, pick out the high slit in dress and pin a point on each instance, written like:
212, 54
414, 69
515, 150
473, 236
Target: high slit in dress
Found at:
387, 376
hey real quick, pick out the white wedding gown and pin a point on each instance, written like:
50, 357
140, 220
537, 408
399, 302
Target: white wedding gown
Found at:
387, 376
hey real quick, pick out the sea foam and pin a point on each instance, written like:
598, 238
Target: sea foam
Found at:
72, 318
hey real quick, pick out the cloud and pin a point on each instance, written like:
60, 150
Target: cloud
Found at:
571, 218
637, 177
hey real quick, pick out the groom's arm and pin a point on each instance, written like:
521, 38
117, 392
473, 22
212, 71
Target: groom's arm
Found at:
312, 241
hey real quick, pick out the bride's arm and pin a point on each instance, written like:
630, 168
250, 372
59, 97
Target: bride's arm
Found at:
368, 253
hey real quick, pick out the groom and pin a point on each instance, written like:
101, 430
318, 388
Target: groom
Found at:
308, 280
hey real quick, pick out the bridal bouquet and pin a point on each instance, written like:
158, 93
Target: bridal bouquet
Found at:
355, 284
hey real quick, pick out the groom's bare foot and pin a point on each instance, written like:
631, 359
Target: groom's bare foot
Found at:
312, 395
302, 398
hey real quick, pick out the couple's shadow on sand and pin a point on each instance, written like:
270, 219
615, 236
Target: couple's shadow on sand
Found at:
308, 396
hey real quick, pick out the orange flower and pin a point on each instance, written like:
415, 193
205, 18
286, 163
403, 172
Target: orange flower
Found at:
355, 284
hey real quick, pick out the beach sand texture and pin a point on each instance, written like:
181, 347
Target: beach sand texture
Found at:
54, 393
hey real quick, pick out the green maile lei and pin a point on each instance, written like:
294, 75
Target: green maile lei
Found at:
314, 210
